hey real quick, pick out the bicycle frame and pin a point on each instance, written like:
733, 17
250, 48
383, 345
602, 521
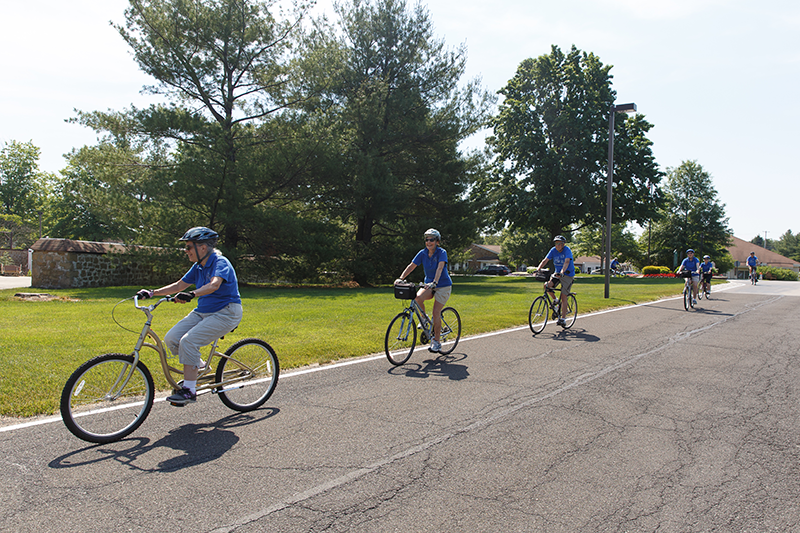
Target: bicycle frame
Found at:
205, 378
425, 321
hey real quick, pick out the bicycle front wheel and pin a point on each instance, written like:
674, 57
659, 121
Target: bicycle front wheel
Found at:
451, 330
687, 298
572, 311
401, 337
537, 316
247, 375
106, 398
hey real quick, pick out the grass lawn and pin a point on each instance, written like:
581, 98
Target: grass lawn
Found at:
41, 343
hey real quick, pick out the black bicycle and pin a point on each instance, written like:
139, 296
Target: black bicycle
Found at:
545, 306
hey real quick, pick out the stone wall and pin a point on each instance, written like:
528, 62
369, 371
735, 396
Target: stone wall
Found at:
62, 270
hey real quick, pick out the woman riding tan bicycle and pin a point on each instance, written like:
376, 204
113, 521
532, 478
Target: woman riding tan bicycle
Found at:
219, 306
438, 284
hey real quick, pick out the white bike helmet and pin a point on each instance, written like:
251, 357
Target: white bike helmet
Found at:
434, 233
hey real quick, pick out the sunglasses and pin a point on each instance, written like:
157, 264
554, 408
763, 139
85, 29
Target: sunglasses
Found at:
430, 239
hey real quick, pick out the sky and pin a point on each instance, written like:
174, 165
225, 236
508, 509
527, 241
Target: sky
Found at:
718, 79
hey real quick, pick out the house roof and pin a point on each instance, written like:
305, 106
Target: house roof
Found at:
740, 251
493, 248
69, 245
581, 259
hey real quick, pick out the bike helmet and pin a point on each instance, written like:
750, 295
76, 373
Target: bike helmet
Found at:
201, 235
559, 238
689, 250
435, 233
706, 257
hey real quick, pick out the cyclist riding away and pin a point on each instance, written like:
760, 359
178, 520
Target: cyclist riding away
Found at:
219, 306
438, 284
614, 266
564, 272
752, 263
707, 268
691, 264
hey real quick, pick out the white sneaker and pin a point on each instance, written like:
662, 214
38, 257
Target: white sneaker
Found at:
694, 302
435, 346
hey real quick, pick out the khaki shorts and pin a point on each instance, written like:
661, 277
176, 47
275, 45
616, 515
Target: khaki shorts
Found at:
442, 294
565, 282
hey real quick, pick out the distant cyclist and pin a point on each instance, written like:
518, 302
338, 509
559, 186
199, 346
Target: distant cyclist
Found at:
707, 268
564, 272
752, 263
692, 264
438, 284
615, 266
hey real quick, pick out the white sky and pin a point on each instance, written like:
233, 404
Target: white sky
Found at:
717, 78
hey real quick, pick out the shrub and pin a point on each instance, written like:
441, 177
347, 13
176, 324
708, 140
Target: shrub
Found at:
652, 270
783, 274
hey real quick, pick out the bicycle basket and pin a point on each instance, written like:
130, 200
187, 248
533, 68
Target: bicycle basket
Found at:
404, 291
542, 275
685, 274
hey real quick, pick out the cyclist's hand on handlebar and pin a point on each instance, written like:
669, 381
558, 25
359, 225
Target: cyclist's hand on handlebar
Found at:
144, 294
399, 280
431, 285
184, 297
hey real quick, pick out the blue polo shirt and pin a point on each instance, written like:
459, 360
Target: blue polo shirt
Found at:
559, 258
217, 266
752, 261
691, 264
430, 264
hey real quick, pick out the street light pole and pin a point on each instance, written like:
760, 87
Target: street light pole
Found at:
625, 108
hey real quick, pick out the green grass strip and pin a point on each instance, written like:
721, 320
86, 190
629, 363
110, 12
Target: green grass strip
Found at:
42, 343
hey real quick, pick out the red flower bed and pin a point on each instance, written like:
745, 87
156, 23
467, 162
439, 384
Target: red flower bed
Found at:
670, 275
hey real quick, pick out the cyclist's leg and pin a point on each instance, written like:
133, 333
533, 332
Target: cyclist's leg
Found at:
422, 295
440, 300
211, 327
566, 287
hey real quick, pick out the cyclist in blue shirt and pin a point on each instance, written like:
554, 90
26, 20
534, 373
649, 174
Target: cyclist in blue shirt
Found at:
614, 265
219, 306
438, 284
564, 271
707, 268
691, 264
752, 263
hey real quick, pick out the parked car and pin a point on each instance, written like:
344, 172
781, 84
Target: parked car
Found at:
629, 273
494, 270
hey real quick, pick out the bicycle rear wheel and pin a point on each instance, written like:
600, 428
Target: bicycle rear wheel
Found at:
572, 311
101, 404
537, 316
401, 337
451, 329
248, 374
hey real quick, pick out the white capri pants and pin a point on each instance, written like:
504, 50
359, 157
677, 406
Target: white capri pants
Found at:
201, 329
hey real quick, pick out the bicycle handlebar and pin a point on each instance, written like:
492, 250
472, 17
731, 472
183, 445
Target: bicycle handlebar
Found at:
152, 306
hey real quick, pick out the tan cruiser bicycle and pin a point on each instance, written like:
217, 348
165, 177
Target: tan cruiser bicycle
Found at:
108, 397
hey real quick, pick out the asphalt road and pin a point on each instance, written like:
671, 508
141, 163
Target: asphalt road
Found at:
648, 418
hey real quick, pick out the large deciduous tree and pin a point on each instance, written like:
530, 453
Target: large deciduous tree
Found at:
401, 108
551, 145
692, 217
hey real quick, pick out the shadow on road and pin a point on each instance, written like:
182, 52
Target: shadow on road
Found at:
443, 365
572, 334
193, 444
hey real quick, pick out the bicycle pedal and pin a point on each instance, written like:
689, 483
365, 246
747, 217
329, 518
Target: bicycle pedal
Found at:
177, 404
